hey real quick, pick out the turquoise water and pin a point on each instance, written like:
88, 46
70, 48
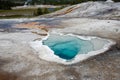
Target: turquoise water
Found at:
67, 47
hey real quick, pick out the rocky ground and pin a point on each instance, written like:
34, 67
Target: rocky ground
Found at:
18, 61
97, 10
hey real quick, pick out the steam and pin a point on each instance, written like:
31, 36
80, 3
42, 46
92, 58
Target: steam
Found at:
27, 2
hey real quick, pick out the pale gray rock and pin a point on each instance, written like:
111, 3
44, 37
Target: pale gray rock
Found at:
18, 61
99, 10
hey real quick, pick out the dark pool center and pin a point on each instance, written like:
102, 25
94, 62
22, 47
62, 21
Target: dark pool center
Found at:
67, 46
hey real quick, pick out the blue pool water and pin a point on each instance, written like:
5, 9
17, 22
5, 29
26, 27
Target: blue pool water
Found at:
67, 47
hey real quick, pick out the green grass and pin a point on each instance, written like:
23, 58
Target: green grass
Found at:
20, 12
27, 13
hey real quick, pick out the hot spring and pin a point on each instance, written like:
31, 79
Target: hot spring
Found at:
68, 49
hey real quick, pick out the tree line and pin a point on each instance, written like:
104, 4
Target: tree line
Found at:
62, 2
7, 4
